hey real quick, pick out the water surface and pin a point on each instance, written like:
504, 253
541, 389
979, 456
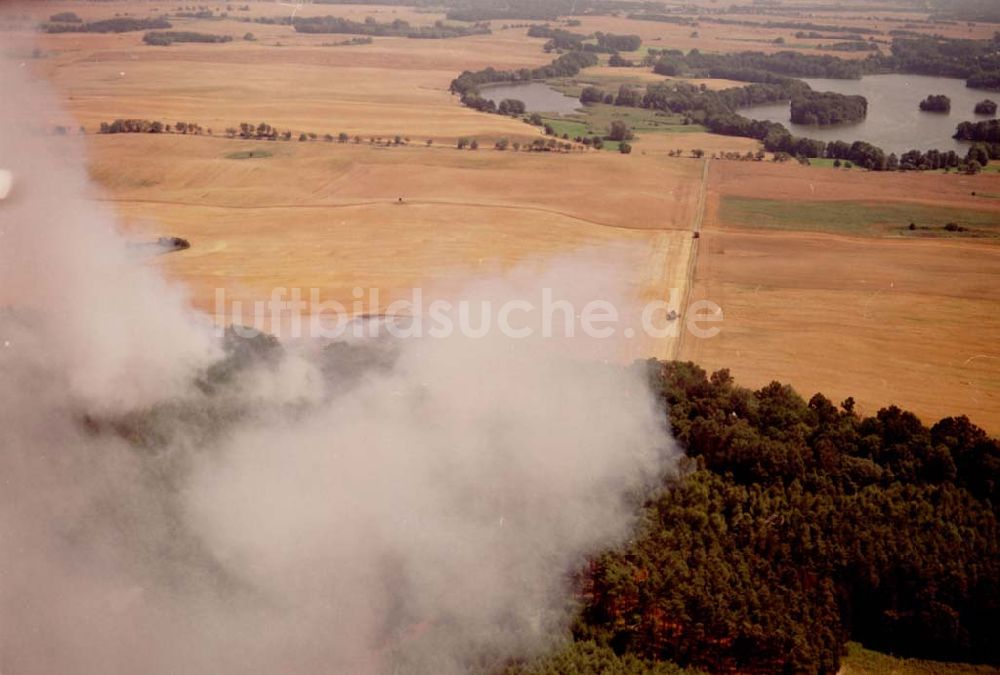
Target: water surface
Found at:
537, 96
895, 122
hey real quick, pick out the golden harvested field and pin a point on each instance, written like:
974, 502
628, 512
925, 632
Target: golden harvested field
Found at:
883, 320
327, 215
790, 182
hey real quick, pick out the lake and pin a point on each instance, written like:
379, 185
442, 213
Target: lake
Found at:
895, 122
537, 96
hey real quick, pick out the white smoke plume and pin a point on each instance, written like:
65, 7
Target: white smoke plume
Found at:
170, 506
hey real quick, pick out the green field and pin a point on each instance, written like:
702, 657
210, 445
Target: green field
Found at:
861, 661
826, 163
856, 218
597, 118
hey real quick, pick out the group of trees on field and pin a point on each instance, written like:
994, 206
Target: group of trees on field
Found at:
167, 38
133, 126
396, 28
66, 17
122, 24
797, 525
490, 10
756, 66
564, 40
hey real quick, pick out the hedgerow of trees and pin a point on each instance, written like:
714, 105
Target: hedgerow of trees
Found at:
167, 38
66, 17
564, 40
987, 131
396, 28
117, 25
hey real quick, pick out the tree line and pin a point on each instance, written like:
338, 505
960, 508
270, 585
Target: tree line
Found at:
975, 61
167, 38
396, 28
490, 10
987, 131
796, 525
565, 65
564, 40
117, 25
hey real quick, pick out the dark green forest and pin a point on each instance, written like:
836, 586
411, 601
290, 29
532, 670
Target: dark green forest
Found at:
797, 525
788, 528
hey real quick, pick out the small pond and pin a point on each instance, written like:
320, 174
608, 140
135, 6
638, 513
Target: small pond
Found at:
537, 96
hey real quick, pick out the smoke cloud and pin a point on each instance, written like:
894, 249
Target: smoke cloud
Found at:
173, 503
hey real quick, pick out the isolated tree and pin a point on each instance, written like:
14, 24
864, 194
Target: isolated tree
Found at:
698, 153
463, 142
328, 138
303, 137
474, 144
502, 144
625, 148
342, 137
619, 131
